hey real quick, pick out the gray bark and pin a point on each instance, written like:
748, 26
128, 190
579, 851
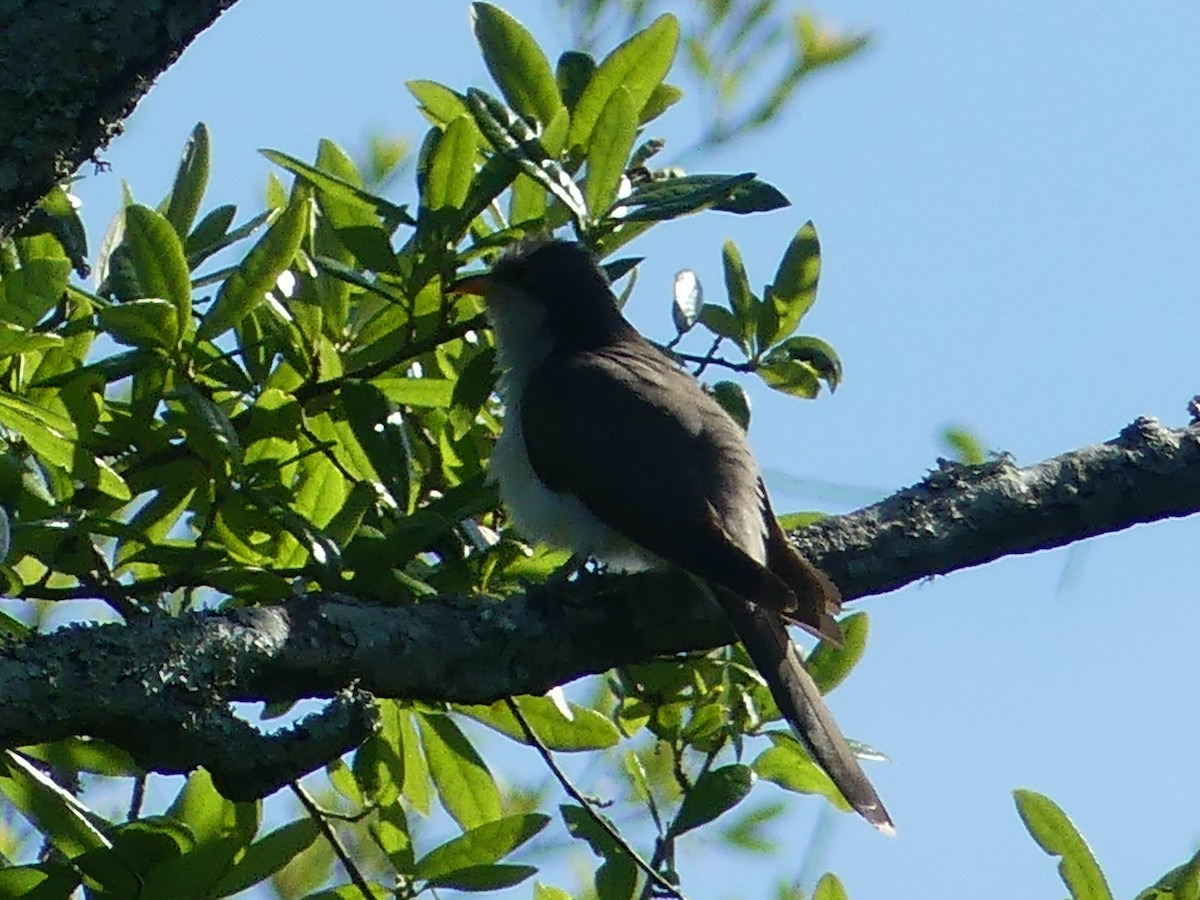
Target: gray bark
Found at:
70, 72
160, 687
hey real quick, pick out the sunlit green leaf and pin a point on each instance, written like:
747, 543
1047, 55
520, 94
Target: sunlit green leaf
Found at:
794, 288
162, 269
608, 151
812, 352
248, 286
464, 784
55, 812
789, 766
586, 729
639, 65
830, 887
1054, 832
741, 299
142, 323
355, 221
190, 181
441, 104
516, 62
829, 665
480, 846
796, 378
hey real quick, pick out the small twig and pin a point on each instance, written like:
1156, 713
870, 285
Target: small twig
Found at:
653, 874
330, 835
137, 797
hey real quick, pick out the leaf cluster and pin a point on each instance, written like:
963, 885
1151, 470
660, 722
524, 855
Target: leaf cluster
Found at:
241, 409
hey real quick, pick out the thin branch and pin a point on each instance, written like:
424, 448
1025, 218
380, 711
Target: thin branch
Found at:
331, 836
652, 874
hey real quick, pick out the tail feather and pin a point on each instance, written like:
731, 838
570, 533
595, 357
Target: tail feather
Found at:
767, 641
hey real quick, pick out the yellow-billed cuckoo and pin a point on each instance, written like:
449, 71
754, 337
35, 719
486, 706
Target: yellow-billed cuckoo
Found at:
613, 452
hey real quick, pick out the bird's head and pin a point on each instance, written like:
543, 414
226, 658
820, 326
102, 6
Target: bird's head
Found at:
547, 291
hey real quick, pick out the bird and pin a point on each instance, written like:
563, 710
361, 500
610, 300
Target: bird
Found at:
612, 451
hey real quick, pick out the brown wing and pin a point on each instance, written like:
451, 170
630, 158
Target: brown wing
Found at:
819, 600
686, 487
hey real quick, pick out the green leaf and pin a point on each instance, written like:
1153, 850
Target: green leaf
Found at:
1049, 826
661, 99
573, 72
585, 730
428, 393
355, 221
829, 665
514, 139
608, 151
438, 102
45, 881
463, 782
548, 892
162, 268
616, 879
752, 197
794, 289
516, 63
266, 856
486, 878
28, 293
734, 400
480, 846
389, 213
142, 323
639, 65
789, 766
84, 755
61, 818
714, 792
451, 170
416, 769
190, 181
721, 322
813, 352
1181, 883
964, 444
390, 832
796, 378
247, 287
670, 198
53, 438
15, 340
221, 829
830, 887
212, 228
741, 299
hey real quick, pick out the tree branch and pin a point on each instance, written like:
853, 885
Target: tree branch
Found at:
160, 687
70, 72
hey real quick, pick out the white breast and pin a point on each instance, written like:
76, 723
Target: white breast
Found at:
558, 519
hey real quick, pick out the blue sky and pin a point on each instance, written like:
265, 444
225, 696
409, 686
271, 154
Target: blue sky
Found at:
1008, 199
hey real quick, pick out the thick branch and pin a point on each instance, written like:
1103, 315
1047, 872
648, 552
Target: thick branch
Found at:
70, 72
160, 687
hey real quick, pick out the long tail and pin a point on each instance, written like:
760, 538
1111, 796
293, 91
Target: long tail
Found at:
767, 641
